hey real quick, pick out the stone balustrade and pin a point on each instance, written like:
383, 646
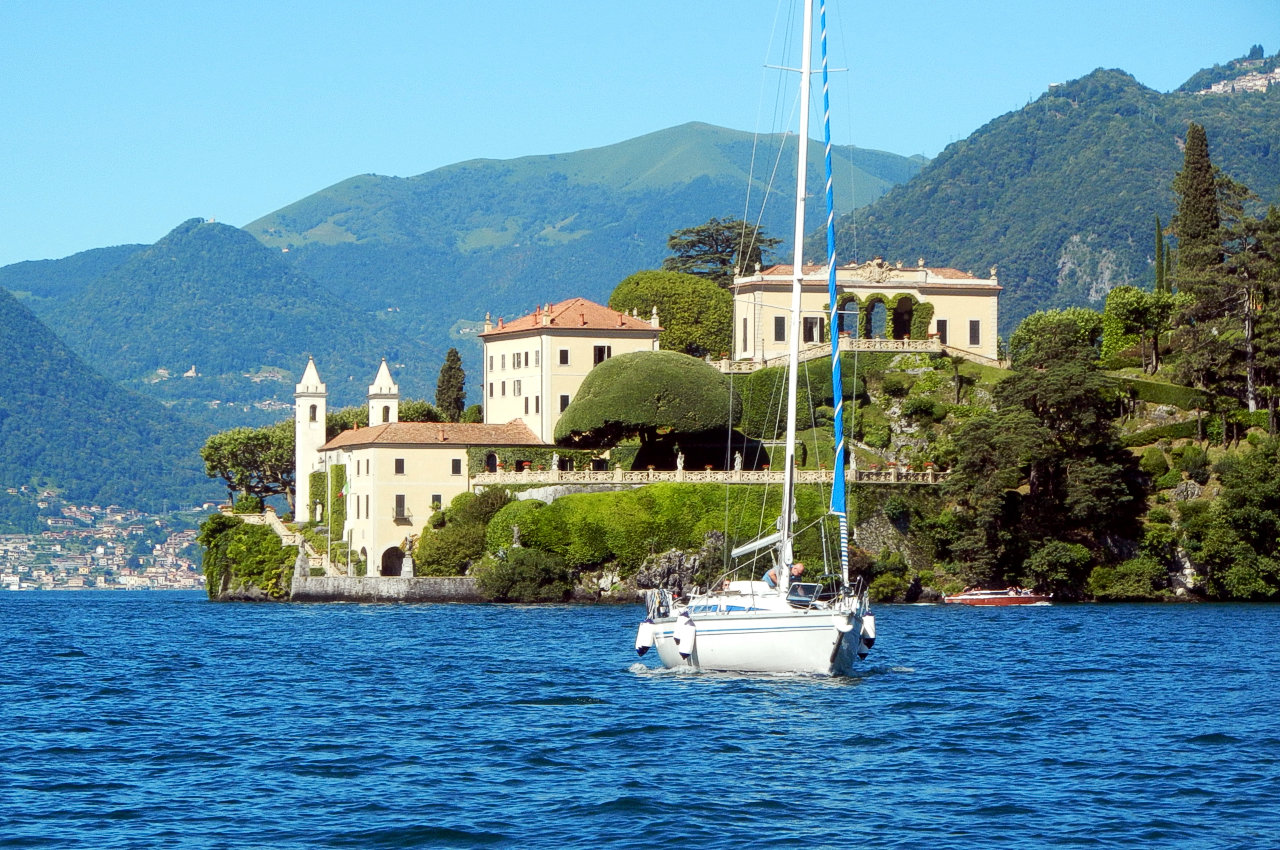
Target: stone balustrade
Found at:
850, 343
618, 475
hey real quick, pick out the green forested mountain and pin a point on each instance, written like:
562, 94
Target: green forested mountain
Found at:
1062, 195
63, 278
211, 296
502, 236
64, 426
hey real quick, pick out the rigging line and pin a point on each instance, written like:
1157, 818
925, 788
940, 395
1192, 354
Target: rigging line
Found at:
744, 250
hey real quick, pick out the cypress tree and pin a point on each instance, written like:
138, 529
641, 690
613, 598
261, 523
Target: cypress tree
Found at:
451, 393
1160, 278
1197, 221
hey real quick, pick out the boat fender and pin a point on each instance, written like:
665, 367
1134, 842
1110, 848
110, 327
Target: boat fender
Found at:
867, 638
842, 624
644, 636
685, 634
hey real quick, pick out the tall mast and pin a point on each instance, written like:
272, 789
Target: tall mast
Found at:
838, 498
797, 281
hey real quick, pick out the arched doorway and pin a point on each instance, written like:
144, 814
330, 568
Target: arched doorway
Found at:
847, 314
903, 309
491, 462
392, 561
877, 319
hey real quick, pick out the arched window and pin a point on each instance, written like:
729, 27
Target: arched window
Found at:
313, 413
386, 413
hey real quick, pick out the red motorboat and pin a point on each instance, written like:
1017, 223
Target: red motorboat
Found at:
1007, 596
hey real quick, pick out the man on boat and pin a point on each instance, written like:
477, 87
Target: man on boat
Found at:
771, 576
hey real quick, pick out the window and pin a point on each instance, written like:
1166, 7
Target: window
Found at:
601, 354
537, 358
366, 507
942, 331
746, 341
386, 413
401, 510
357, 507
503, 387
491, 389
456, 466
564, 357
814, 328
526, 404
515, 388
502, 361
975, 334
490, 362
779, 328
313, 413
564, 402
436, 501
515, 361
526, 358
399, 466
536, 407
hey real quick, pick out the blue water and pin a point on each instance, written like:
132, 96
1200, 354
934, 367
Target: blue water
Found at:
162, 720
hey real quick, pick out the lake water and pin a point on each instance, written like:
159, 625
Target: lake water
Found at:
162, 720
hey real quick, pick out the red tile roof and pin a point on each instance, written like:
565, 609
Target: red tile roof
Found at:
574, 313
514, 433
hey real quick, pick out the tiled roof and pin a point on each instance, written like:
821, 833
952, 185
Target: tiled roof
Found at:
514, 433
575, 313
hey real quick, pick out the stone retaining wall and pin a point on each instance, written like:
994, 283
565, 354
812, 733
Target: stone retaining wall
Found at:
383, 589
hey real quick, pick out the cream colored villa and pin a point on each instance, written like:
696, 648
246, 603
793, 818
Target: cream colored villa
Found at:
954, 307
534, 365
395, 473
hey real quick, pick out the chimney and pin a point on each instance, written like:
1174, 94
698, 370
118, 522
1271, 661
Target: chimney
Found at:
499, 323
583, 317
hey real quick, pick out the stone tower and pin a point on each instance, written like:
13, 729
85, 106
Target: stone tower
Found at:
384, 398
310, 398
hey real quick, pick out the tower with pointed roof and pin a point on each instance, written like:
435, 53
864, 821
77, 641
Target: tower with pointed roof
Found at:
384, 397
310, 398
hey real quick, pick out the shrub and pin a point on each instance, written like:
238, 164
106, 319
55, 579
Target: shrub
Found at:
895, 386
1173, 431
1143, 577
1160, 515
920, 409
524, 575
1169, 480
888, 588
450, 550
1057, 566
247, 503
239, 555
1194, 462
516, 514
1153, 462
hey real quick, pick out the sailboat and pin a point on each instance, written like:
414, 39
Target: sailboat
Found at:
753, 626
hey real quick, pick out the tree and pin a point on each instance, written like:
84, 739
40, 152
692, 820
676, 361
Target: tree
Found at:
645, 393
255, 461
451, 393
1197, 220
696, 314
418, 410
713, 250
1038, 329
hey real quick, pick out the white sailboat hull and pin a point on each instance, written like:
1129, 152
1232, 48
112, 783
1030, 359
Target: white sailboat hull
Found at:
813, 641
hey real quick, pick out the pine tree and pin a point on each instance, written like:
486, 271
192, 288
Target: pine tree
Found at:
451, 393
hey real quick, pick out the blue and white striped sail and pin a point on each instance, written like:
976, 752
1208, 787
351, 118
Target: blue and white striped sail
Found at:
839, 499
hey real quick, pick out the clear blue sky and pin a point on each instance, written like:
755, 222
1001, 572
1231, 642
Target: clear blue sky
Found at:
122, 119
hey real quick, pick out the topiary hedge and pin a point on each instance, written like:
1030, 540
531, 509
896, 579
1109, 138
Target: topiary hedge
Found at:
238, 556
1149, 436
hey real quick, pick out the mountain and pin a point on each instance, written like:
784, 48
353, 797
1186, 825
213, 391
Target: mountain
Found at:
64, 426
212, 297
501, 236
1062, 194
63, 278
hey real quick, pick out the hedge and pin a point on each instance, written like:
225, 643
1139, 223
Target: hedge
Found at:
1149, 436
1155, 392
